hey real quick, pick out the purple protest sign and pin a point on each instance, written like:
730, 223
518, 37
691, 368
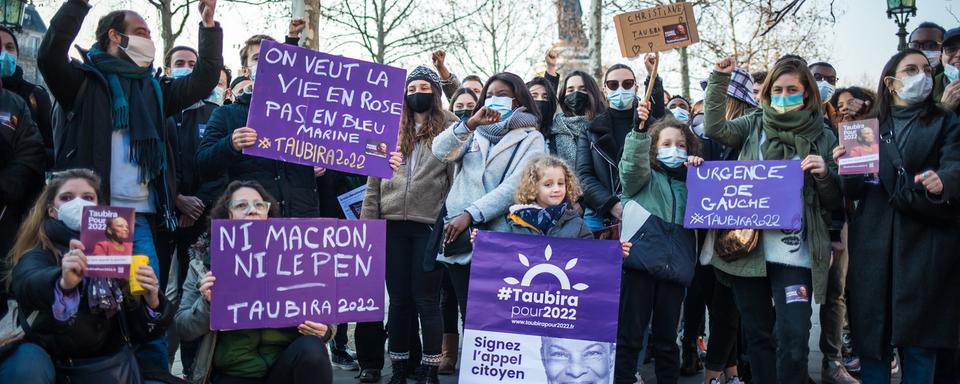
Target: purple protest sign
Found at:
324, 110
745, 194
538, 306
279, 272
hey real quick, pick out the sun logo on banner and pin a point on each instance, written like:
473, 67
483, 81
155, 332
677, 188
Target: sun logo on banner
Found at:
547, 268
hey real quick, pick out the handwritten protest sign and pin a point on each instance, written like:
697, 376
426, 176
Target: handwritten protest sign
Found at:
279, 272
323, 110
541, 309
656, 29
107, 237
861, 139
745, 194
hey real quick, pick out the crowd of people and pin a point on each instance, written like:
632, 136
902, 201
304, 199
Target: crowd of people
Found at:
571, 156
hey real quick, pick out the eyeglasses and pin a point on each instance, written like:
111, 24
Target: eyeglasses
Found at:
951, 50
245, 206
613, 85
912, 70
829, 79
925, 45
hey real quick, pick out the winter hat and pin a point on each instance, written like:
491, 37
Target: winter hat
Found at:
423, 73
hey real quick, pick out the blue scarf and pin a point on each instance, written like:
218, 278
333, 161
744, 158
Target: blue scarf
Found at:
147, 149
543, 219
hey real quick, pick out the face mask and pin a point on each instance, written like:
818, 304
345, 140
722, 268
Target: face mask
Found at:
915, 88
681, 114
8, 64
463, 114
672, 157
952, 73
576, 102
787, 103
71, 212
253, 73
140, 49
501, 104
419, 102
544, 107
933, 57
826, 90
622, 99
177, 73
217, 96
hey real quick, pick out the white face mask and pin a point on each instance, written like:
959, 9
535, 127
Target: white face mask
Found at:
933, 57
71, 212
915, 88
140, 49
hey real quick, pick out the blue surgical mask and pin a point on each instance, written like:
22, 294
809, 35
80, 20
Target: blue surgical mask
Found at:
501, 104
786, 103
681, 114
216, 96
177, 73
622, 99
826, 90
253, 73
8, 64
952, 73
672, 157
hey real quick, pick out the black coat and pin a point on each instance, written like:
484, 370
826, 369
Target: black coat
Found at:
38, 100
902, 282
189, 127
86, 334
22, 164
86, 138
293, 185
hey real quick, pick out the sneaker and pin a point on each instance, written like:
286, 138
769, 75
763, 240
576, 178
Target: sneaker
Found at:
369, 376
342, 360
894, 365
852, 364
835, 373
715, 381
734, 380
639, 379
702, 348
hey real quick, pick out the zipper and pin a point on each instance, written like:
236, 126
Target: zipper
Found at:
673, 201
406, 188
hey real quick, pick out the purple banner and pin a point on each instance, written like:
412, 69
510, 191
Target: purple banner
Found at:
277, 273
324, 110
107, 236
745, 194
541, 309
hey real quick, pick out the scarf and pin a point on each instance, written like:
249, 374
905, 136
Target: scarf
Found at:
678, 173
147, 149
535, 217
794, 134
104, 296
496, 131
569, 125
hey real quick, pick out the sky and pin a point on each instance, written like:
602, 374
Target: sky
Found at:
863, 38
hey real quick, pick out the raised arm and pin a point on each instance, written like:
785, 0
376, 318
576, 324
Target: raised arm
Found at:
635, 163
186, 91
715, 125
53, 57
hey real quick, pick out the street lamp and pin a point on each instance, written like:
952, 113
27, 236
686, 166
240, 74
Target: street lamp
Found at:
900, 11
11, 13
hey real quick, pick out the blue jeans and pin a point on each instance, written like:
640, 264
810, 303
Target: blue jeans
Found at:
29, 363
917, 366
154, 352
592, 219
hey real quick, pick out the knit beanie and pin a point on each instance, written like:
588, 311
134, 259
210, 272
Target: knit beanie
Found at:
423, 73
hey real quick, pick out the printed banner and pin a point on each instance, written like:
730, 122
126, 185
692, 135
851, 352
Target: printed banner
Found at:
107, 237
656, 29
352, 202
324, 110
277, 273
745, 194
541, 310
861, 139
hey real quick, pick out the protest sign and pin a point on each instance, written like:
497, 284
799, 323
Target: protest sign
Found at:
541, 310
107, 237
745, 194
861, 139
352, 202
656, 29
280, 272
324, 110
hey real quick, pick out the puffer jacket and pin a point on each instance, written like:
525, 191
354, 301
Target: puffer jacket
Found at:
570, 226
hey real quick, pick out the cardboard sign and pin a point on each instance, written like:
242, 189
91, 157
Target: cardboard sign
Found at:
861, 139
323, 110
280, 272
745, 195
656, 29
541, 310
107, 237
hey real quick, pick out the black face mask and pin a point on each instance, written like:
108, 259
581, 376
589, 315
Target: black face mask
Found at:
419, 102
576, 102
547, 109
463, 114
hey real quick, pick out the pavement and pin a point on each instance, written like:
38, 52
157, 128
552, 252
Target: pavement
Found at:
348, 377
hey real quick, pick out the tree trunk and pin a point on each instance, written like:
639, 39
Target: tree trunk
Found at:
311, 13
596, 38
166, 26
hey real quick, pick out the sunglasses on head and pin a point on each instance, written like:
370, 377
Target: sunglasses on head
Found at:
613, 85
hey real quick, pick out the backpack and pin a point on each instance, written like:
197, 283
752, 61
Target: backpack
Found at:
61, 121
13, 328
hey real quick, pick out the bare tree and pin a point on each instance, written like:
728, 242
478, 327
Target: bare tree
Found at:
504, 34
175, 13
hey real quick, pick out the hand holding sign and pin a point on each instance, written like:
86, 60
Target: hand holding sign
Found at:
309, 328
148, 280
73, 266
396, 158
838, 152
815, 165
244, 137
206, 286
650, 63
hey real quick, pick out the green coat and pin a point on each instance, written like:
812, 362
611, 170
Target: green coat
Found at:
654, 191
743, 134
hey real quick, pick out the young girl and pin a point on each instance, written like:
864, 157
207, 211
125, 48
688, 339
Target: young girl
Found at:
654, 200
